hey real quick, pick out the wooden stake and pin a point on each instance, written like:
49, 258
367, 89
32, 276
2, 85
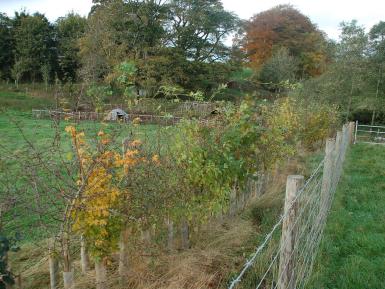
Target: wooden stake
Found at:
351, 131
329, 173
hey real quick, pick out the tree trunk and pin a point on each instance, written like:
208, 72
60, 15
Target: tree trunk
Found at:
101, 274
84, 258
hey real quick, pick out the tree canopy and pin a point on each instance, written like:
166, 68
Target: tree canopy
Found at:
285, 26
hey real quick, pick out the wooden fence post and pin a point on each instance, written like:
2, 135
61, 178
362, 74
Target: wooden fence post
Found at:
345, 141
329, 174
84, 258
337, 149
286, 275
351, 132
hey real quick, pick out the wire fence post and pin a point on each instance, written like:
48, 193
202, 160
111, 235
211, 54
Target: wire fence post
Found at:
351, 132
338, 145
329, 172
355, 133
345, 142
286, 266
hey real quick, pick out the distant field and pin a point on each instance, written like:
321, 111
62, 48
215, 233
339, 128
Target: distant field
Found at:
20, 101
18, 131
352, 254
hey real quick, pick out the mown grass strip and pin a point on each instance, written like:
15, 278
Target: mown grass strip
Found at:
352, 253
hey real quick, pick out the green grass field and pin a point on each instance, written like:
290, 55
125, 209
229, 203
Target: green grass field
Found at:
19, 131
352, 253
20, 101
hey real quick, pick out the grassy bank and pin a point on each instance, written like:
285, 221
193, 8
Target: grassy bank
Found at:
352, 253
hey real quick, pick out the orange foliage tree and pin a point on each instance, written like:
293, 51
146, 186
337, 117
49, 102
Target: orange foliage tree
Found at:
284, 26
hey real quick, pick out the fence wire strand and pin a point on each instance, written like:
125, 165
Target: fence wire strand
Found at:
311, 204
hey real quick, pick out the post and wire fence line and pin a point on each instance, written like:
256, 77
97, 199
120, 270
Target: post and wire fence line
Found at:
285, 258
372, 134
164, 120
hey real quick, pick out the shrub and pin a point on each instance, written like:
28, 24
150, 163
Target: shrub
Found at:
318, 121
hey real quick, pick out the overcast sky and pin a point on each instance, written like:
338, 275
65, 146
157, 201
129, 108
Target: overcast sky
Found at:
327, 14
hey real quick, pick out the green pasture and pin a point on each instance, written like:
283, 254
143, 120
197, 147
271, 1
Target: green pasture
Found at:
22, 137
352, 253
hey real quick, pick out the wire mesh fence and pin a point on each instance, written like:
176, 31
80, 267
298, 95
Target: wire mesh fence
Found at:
285, 258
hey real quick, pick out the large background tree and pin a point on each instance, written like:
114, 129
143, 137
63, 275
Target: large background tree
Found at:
377, 65
284, 26
121, 30
34, 44
351, 79
6, 47
69, 30
171, 43
198, 29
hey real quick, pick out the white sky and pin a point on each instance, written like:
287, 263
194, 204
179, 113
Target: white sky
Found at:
327, 14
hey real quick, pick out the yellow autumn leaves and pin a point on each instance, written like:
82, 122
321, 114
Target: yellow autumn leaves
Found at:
100, 172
